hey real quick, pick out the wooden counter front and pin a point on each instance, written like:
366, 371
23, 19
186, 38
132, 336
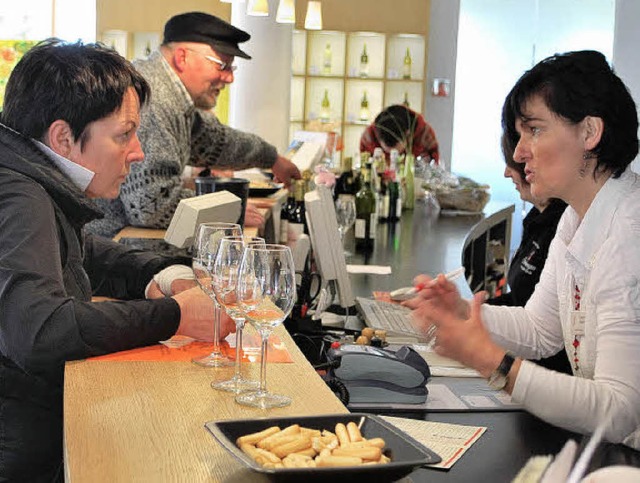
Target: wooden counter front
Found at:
144, 421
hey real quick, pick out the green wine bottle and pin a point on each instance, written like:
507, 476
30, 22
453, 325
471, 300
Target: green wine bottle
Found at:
366, 219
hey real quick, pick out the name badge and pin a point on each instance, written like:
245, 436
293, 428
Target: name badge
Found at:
577, 322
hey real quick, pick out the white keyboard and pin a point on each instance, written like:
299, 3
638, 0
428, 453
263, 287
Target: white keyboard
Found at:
393, 318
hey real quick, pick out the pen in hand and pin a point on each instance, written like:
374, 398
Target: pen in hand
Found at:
451, 276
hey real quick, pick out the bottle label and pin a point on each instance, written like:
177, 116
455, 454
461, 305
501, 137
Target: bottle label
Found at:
372, 226
361, 228
385, 207
398, 207
284, 231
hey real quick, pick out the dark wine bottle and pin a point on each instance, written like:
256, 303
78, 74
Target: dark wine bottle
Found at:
366, 220
287, 206
297, 218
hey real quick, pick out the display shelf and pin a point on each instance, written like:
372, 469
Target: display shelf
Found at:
316, 88
326, 53
331, 61
375, 44
396, 50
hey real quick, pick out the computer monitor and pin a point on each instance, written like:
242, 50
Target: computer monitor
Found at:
326, 244
220, 206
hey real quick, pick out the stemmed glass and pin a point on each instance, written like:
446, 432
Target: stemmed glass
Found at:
266, 291
205, 247
225, 278
346, 216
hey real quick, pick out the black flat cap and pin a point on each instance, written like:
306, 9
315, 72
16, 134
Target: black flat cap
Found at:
206, 29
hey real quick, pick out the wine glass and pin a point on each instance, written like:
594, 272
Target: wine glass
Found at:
266, 292
225, 278
205, 248
346, 216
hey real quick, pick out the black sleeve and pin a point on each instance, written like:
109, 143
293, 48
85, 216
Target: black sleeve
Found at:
42, 325
121, 272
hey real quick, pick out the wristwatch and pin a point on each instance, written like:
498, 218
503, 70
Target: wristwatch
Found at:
499, 378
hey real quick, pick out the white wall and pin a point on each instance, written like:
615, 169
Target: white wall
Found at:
625, 49
260, 93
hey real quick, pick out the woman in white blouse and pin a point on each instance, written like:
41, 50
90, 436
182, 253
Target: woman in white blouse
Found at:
575, 128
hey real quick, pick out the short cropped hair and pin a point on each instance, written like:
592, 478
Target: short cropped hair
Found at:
392, 124
74, 82
573, 86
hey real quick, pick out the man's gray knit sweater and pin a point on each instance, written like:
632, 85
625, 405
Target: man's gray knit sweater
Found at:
173, 134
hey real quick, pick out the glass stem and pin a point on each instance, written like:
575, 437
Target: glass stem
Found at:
216, 327
239, 329
263, 362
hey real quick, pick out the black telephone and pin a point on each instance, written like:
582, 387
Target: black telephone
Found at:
376, 375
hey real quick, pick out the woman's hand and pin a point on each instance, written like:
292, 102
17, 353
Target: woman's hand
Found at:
439, 289
464, 339
196, 316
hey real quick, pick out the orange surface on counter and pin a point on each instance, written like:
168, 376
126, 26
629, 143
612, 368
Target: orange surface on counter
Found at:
277, 352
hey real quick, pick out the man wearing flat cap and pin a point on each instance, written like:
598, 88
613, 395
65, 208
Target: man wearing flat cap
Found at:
187, 73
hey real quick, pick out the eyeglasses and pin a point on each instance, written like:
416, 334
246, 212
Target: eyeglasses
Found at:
223, 66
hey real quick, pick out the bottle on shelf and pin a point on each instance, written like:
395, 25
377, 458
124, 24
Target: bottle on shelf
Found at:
325, 111
366, 220
287, 206
405, 102
406, 66
326, 60
297, 217
364, 108
147, 49
364, 62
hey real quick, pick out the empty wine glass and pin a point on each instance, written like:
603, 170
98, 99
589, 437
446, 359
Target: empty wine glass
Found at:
346, 216
225, 278
205, 248
266, 292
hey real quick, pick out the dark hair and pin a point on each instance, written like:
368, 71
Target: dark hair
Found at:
508, 148
392, 124
575, 85
74, 82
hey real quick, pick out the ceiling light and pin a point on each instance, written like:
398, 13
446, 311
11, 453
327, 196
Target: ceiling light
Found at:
313, 21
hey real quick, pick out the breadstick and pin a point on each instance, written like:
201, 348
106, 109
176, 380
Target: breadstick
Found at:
367, 443
366, 453
268, 442
310, 432
324, 461
354, 432
342, 434
279, 441
255, 437
267, 456
310, 452
299, 444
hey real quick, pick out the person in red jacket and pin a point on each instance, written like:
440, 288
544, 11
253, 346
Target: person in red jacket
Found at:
398, 127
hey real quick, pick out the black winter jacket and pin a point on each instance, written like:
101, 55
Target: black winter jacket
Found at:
48, 273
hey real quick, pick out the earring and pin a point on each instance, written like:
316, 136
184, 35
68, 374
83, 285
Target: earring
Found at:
586, 156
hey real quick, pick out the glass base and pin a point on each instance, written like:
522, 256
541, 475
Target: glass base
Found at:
263, 400
237, 385
215, 359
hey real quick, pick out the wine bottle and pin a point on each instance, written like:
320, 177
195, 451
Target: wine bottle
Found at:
364, 108
409, 178
364, 62
393, 188
405, 102
406, 67
396, 188
326, 60
383, 199
366, 220
287, 206
297, 217
346, 183
325, 111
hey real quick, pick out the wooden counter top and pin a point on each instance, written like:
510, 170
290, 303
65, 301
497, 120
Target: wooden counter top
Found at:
144, 421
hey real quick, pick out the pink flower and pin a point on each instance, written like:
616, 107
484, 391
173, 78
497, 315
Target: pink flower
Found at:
324, 177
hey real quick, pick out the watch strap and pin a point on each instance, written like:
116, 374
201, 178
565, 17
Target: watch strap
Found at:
505, 364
